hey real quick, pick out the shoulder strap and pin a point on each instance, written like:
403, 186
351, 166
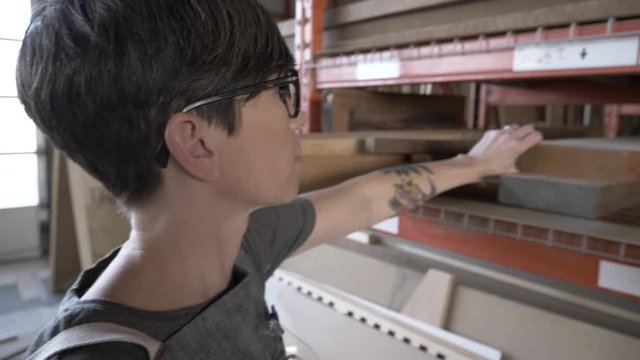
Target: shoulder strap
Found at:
95, 333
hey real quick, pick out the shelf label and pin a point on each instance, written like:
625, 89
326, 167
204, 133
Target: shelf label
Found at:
619, 277
388, 69
391, 225
576, 54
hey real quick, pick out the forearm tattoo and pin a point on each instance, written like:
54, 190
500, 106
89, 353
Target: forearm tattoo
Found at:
407, 193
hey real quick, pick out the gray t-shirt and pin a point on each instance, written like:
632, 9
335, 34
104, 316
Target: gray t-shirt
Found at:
234, 325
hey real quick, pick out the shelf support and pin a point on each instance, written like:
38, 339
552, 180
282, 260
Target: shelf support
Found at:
308, 43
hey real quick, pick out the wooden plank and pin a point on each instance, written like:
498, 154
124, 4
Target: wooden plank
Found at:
430, 301
323, 171
468, 19
589, 159
314, 145
563, 92
63, 257
407, 146
519, 115
445, 141
354, 109
99, 227
371, 9
353, 142
569, 196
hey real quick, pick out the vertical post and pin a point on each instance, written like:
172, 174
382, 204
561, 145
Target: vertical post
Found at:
483, 108
472, 100
308, 43
287, 9
611, 121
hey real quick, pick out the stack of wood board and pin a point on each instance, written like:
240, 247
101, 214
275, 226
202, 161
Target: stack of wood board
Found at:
330, 158
580, 177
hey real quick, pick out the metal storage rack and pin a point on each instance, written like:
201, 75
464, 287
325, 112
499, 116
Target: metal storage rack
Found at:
534, 63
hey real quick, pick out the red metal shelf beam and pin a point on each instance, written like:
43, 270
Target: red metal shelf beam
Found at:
483, 58
551, 253
564, 92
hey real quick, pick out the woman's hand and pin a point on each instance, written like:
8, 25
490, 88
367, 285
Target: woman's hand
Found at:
498, 150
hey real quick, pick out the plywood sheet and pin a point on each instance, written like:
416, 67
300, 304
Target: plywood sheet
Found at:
99, 227
569, 196
592, 159
323, 171
63, 257
430, 300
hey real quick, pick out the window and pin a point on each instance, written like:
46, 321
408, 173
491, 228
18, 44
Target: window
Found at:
18, 158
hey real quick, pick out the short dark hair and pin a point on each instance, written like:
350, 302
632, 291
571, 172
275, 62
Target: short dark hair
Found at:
102, 77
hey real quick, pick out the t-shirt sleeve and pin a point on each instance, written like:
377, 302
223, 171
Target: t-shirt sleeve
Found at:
276, 232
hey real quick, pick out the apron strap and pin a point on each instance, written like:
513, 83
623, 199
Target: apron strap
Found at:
95, 333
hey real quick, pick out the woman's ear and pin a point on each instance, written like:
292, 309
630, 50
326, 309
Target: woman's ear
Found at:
189, 139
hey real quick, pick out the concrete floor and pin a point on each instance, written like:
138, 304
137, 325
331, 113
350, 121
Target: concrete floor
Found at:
26, 304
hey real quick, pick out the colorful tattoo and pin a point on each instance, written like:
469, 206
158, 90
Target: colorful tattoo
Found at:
406, 170
408, 194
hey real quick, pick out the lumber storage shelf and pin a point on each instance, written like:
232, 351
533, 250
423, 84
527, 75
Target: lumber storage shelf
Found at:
539, 54
539, 245
569, 52
478, 42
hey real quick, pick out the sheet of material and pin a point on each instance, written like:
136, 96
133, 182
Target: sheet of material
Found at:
367, 10
354, 109
321, 144
381, 145
63, 256
353, 142
560, 297
322, 171
431, 299
429, 339
593, 159
447, 141
529, 333
315, 331
464, 19
564, 91
98, 226
520, 115
328, 264
570, 196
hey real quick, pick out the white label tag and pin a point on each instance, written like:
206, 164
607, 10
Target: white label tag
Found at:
390, 225
576, 54
389, 69
619, 277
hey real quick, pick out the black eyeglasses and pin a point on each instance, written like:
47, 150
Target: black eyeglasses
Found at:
288, 90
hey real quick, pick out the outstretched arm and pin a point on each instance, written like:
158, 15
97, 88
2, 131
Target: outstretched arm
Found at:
365, 200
